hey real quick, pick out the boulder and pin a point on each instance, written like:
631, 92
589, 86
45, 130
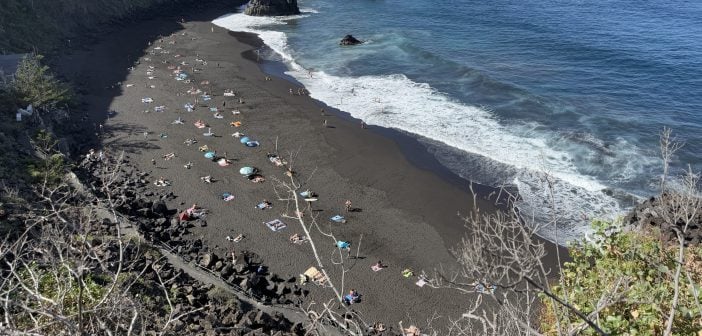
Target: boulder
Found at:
350, 40
159, 208
272, 8
206, 261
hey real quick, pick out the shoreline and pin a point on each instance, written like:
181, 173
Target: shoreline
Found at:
413, 151
408, 216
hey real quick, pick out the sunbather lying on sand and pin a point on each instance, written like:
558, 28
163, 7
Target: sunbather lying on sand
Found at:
235, 239
237, 134
297, 239
204, 148
188, 165
190, 141
378, 266
235, 124
161, 182
218, 115
206, 179
194, 212
200, 124
257, 179
168, 156
412, 331
378, 327
264, 205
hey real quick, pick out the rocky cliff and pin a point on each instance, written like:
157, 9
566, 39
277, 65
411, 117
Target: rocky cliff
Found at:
272, 7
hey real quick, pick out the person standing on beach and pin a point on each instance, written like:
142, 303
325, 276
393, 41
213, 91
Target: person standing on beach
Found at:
347, 205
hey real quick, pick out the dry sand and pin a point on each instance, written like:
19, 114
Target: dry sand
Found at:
408, 215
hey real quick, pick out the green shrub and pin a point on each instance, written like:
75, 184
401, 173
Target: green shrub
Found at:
633, 272
35, 84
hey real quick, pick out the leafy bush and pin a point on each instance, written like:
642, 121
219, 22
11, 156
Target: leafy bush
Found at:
625, 282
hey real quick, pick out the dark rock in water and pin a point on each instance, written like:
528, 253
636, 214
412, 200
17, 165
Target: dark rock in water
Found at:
272, 8
350, 40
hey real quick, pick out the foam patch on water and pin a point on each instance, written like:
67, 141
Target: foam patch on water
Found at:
395, 101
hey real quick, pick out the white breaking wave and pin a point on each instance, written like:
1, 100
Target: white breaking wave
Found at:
395, 101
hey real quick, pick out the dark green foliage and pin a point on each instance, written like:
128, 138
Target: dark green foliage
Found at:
35, 84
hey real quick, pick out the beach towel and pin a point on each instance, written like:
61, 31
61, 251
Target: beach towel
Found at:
315, 275
420, 283
252, 144
407, 273
247, 171
227, 197
147, 100
209, 133
213, 109
339, 219
276, 225
306, 193
376, 268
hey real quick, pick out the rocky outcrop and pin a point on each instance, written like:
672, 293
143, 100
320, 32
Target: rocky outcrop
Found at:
658, 212
350, 40
272, 8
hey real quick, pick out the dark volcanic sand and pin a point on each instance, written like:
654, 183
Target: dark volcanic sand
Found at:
408, 215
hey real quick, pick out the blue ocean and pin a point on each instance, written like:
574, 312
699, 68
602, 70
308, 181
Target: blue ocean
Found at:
562, 100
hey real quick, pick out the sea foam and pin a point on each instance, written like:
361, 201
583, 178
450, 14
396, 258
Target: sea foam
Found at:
550, 187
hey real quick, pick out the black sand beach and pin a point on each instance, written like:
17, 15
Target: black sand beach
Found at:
407, 214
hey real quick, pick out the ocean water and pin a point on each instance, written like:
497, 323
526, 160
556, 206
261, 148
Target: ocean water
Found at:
563, 100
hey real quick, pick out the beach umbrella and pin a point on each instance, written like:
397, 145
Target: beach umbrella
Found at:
210, 155
247, 170
244, 139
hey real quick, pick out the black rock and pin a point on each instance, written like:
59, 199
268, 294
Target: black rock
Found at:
272, 8
350, 40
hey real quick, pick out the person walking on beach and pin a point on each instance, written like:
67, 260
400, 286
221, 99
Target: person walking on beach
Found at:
347, 205
363, 124
322, 110
325, 123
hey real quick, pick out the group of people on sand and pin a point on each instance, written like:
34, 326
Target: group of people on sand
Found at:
195, 211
